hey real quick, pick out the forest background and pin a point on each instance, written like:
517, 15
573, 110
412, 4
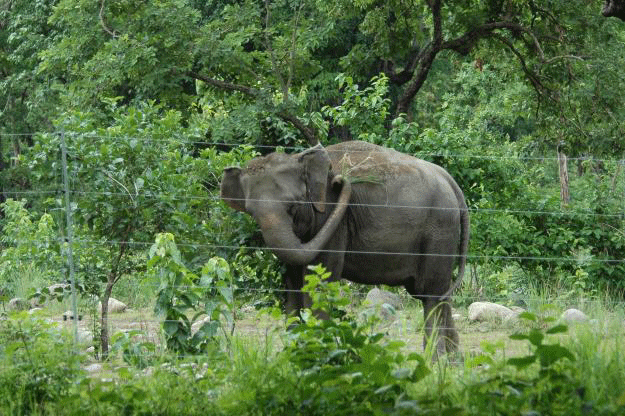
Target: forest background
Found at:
117, 118
154, 98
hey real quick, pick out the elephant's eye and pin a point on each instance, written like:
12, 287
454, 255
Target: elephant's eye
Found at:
291, 210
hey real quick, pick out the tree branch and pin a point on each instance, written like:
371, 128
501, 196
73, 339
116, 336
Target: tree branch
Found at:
103, 23
309, 133
425, 58
272, 55
557, 58
223, 85
293, 42
538, 86
463, 44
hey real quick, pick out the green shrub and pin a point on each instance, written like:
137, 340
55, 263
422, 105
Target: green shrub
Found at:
32, 254
343, 365
183, 293
38, 365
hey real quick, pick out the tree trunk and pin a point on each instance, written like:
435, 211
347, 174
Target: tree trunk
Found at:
113, 277
104, 319
564, 179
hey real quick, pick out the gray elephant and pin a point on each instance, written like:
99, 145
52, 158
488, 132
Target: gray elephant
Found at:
367, 213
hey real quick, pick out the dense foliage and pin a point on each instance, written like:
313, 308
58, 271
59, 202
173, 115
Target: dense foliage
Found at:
152, 100
342, 365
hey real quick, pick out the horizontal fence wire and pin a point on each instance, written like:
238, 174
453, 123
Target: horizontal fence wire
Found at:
221, 145
78, 190
360, 290
186, 197
469, 256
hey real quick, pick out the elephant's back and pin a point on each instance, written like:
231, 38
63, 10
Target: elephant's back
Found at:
382, 174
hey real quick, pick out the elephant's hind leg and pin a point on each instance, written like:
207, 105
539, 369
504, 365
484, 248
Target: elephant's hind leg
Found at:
433, 280
438, 321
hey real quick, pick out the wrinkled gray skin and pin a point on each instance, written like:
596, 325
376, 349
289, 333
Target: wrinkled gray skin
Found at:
614, 8
368, 214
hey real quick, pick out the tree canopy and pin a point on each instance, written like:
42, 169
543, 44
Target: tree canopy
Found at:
260, 69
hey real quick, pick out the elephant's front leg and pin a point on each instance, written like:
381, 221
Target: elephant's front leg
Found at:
331, 257
293, 283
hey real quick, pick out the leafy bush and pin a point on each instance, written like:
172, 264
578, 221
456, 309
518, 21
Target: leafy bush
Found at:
37, 364
31, 254
182, 292
546, 381
343, 364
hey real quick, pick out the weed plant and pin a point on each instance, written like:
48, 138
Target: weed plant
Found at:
343, 365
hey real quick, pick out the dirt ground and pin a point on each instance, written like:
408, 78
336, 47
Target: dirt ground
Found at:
258, 327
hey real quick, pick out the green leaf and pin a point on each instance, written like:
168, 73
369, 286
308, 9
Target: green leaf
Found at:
528, 316
402, 373
522, 362
549, 354
557, 329
536, 337
519, 336
170, 327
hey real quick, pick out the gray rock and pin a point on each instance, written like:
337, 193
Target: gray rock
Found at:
94, 368
84, 336
69, 316
198, 324
34, 303
487, 311
516, 311
380, 297
248, 309
34, 310
573, 316
58, 287
115, 306
18, 304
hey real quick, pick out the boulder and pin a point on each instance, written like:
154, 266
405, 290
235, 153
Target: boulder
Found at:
94, 368
18, 304
85, 337
34, 310
198, 324
573, 316
59, 287
516, 311
115, 306
380, 297
487, 311
69, 316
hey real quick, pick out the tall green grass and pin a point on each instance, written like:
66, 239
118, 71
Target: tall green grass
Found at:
40, 374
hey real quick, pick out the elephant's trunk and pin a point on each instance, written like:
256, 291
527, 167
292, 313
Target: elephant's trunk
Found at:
277, 229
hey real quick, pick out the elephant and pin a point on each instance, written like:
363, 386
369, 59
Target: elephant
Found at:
369, 214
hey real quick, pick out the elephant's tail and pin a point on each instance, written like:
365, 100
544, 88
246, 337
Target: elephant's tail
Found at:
465, 227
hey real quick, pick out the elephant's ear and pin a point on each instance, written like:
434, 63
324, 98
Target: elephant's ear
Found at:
316, 164
231, 191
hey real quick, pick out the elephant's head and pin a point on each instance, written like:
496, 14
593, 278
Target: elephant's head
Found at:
278, 188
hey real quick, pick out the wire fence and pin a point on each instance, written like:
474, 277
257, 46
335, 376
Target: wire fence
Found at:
70, 188
287, 148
